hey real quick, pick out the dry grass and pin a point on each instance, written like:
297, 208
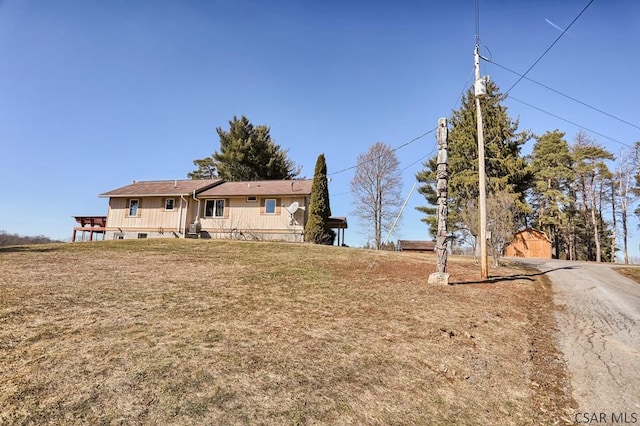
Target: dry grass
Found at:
632, 272
211, 332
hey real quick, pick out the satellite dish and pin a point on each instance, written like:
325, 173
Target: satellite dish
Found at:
293, 208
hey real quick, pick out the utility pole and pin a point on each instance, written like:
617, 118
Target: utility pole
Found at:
480, 90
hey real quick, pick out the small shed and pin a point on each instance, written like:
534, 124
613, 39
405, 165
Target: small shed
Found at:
529, 243
415, 245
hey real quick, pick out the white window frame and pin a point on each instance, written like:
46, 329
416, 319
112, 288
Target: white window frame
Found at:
173, 204
252, 199
214, 208
275, 205
137, 202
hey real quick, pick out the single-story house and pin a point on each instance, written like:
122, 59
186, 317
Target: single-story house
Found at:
209, 208
529, 243
416, 245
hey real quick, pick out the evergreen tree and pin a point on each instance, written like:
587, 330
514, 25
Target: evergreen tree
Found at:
505, 168
247, 152
316, 230
206, 169
592, 176
551, 168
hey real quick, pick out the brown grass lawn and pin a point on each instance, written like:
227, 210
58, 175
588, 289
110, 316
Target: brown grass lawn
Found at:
632, 272
215, 332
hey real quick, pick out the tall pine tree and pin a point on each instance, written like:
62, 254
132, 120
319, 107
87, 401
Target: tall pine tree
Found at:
591, 174
247, 152
316, 229
505, 167
551, 167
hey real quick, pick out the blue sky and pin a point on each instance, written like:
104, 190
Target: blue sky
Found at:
96, 94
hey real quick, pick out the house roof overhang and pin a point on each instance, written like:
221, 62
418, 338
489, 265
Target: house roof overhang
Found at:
281, 188
162, 188
337, 222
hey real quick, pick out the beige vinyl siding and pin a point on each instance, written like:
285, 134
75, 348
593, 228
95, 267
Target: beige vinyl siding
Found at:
250, 216
151, 214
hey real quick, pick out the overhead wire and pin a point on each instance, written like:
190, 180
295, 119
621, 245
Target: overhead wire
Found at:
563, 94
393, 150
568, 121
464, 89
549, 48
477, 14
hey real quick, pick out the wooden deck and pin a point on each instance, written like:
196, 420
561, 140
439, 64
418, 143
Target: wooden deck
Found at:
90, 224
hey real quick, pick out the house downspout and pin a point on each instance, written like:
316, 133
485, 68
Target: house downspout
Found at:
197, 220
180, 214
187, 208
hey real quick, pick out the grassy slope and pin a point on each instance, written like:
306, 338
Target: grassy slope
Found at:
632, 272
189, 332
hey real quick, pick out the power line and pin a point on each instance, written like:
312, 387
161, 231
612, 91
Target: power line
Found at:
477, 15
464, 89
549, 48
405, 144
418, 160
563, 94
568, 121
393, 150
401, 170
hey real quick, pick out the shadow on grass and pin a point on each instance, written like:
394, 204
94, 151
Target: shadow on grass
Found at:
528, 277
44, 248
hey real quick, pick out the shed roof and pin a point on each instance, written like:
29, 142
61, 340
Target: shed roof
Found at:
162, 188
416, 245
538, 233
260, 187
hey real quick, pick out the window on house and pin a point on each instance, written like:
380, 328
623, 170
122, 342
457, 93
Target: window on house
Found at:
252, 199
214, 208
270, 206
133, 207
169, 203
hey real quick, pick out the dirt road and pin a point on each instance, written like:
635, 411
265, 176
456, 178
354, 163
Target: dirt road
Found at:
598, 319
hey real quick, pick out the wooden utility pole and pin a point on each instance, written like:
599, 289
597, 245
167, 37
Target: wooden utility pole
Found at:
481, 91
442, 173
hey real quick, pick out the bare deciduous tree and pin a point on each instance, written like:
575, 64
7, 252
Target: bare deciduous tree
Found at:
376, 189
627, 167
501, 223
469, 226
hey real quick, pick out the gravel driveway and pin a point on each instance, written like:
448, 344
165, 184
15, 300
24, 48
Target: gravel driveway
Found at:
598, 320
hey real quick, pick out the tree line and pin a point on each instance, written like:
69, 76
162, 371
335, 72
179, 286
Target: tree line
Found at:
573, 191
8, 239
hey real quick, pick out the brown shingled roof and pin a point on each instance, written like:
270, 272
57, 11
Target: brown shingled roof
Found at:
162, 188
417, 245
261, 187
